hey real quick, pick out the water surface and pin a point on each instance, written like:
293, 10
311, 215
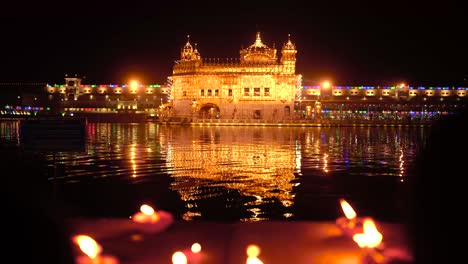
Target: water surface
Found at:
233, 173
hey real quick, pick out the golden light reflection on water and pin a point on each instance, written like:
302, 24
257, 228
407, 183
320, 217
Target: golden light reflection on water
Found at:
257, 162
254, 173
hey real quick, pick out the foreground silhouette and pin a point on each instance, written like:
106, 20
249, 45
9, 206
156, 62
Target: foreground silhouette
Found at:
436, 192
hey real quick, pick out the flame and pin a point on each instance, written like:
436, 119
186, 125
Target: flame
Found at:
179, 258
347, 209
253, 251
371, 237
146, 209
88, 245
253, 260
196, 248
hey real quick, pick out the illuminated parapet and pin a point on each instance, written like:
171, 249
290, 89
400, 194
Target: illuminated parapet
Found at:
369, 91
354, 91
102, 89
118, 90
149, 90
413, 92
85, 89
165, 90
430, 92
445, 91
461, 92
312, 90
385, 91
51, 89
62, 89
337, 91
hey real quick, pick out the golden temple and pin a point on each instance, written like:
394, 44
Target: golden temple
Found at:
257, 86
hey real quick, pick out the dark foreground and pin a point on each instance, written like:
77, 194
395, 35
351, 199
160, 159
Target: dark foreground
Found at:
280, 242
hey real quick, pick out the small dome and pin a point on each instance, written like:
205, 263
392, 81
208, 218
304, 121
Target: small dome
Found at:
188, 47
289, 45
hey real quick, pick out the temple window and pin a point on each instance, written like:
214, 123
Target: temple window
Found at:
230, 92
257, 91
266, 91
209, 92
216, 93
246, 91
202, 92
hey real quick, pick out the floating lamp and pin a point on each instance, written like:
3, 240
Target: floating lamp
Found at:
253, 251
92, 252
179, 258
150, 220
350, 224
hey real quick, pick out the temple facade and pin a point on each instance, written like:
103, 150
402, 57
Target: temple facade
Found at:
258, 85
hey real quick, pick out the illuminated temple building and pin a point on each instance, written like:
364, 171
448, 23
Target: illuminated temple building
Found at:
261, 86
257, 86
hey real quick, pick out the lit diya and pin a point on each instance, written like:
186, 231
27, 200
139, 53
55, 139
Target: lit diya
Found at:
253, 251
92, 252
149, 220
350, 224
192, 255
370, 240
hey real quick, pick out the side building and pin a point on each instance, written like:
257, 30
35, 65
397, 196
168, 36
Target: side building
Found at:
257, 86
107, 102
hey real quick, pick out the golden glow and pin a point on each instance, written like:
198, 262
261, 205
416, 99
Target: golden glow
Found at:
325, 162
370, 238
179, 258
326, 84
253, 251
253, 260
196, 248
134, 84
88, 245
257, 83
347, 209
133, 160
146, 209
146, 215
262, 171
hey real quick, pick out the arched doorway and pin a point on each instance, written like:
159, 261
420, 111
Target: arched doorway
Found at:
209, 111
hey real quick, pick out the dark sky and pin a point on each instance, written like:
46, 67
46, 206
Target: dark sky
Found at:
348, 42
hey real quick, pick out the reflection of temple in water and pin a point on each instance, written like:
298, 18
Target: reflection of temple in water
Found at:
232, 159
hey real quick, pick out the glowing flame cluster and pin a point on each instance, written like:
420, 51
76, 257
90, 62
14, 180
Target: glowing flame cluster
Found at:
348, 209
147, 215
88, 245
253, 251
180, 258
371, 237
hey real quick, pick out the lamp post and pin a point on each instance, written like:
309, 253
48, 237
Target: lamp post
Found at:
325, 86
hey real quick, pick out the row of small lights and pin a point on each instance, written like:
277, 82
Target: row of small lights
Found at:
386, 87
110, 85
383, 111
26, 107
304, 87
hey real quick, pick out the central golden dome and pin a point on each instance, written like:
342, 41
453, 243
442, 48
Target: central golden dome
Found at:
258, 53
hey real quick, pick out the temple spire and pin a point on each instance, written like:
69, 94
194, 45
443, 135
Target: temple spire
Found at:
258, 40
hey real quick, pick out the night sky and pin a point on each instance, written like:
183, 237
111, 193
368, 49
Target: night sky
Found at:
378, 43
